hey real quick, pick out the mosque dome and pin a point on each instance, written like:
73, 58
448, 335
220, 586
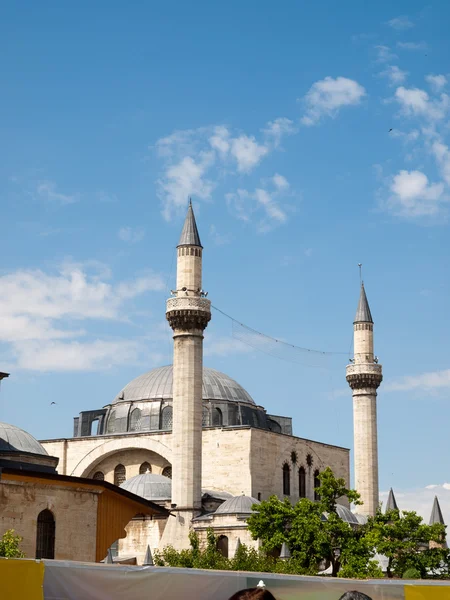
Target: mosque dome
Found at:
149, 486
158, 384
237, 505
13, 439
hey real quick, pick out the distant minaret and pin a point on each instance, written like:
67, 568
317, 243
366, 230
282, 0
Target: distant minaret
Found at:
188, 314
364, 376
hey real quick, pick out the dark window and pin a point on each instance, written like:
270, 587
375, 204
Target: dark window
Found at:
274, 426
205, 417
144, 468
222, 545
99, 475
166, 417
119, 475
135, 420
302, 483
216, 417
259, 496
316, 485
45, 538
286, 480
167, 472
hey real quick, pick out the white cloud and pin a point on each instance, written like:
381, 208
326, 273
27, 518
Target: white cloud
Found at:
424, 382
220, 140
394, 74
247, 152
401, 23
128, 234
280, 182
35, 307
184, 179
75, 356
416, 102
246, 205
412, 195
410, 136
276, 129
47, 190
327, 96
412, 45
437, 82
442, 154
384, 54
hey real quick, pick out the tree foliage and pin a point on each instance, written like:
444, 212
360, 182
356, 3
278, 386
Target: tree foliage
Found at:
408, 543
10, 545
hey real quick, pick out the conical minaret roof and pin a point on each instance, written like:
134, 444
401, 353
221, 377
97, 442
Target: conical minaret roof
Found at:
391, 503
363, 314
189, 235
436, 513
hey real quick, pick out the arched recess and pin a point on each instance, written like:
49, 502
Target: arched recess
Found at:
167, 472
135, 420
120, 475
88, 463
302, 482
216, 416
146, 467
45, 535
316, 484
286, 480
99, 476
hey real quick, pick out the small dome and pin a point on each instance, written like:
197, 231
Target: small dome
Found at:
345, 514
362, 519
149, 486
13, 439
158, 383
237, 505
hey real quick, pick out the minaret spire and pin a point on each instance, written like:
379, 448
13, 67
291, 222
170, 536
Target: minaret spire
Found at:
364, 376
188, 314
436, 513
391, 503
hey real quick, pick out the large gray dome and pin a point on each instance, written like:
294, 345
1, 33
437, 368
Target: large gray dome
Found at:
158, 384
237, 505
149, 486
13, 439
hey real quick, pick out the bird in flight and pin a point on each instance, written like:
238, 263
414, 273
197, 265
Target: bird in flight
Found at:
52, 403
390, 130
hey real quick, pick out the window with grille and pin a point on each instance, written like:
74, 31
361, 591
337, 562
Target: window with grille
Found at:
302, 483
111, 427
316, 485
144, 468
167, 472
286, 480
99, 475
135, 420
166, 417
216, 417
45, 537
119, 475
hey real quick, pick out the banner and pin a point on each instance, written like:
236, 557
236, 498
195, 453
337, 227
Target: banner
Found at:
21, 579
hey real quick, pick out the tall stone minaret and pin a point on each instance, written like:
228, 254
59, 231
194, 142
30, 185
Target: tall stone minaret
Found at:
188, 314
364, 375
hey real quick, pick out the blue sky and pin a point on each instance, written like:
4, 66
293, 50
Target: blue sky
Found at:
277, 121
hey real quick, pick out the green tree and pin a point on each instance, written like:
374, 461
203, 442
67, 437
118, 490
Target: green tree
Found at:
313, 531
405, 539
10, 545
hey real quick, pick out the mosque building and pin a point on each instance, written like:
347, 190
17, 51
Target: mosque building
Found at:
192, 441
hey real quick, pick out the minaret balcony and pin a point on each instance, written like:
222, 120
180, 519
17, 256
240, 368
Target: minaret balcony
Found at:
188, 312
364, 375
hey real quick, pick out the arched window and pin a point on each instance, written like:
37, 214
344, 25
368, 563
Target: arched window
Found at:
135, 420
222, 545
99, 475
316, 484
167, 472
216, 417
45, 537
286, 480
166, 417
205, 417
119, 475
302, 483
111, 427
274, 426
145, 467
